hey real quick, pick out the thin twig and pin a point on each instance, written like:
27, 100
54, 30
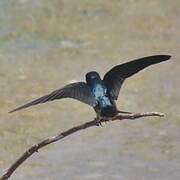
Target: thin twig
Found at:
62, 135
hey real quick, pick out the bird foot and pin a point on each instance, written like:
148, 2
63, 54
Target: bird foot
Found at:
98, 121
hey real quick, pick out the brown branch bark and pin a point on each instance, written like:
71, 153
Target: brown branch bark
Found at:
62, 135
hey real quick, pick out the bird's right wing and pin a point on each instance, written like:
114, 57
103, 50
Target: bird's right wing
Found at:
116, 76
79, 91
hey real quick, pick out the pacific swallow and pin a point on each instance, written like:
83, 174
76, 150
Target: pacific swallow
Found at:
100, 94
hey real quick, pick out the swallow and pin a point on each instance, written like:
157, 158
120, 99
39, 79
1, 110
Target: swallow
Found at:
100, 94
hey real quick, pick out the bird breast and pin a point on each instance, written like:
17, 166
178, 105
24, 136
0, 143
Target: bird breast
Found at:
99, 91
100, 94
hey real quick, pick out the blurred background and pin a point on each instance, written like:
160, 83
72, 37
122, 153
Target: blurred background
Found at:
47, 44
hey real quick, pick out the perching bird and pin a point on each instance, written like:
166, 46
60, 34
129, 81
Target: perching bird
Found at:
99, 93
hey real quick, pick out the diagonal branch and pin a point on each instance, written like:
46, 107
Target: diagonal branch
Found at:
70, 131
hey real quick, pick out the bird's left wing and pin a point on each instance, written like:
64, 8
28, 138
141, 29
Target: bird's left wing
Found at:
79, 91
116, 76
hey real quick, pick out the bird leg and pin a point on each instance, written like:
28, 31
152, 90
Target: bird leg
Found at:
99, 119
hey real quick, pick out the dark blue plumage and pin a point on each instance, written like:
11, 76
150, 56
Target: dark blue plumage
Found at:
105, 105
100, 93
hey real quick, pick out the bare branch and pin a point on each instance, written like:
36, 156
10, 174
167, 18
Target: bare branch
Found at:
62, 135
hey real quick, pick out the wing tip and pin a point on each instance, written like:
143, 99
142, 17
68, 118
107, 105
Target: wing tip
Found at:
18, 108
166, 57
162, 57
13, 110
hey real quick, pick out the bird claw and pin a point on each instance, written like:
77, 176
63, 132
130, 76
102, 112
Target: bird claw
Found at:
98, 122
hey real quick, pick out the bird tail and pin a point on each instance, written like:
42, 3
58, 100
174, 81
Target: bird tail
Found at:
109, 111
125, 112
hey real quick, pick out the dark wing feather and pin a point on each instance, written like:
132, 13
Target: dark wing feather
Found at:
79, 91
116, 76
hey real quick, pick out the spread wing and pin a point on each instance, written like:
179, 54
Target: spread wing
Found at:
116, 76
79, 91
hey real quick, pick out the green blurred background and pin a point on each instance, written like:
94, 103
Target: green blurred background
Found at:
47, 44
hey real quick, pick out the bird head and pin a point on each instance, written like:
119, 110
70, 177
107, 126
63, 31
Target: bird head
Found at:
92, 77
